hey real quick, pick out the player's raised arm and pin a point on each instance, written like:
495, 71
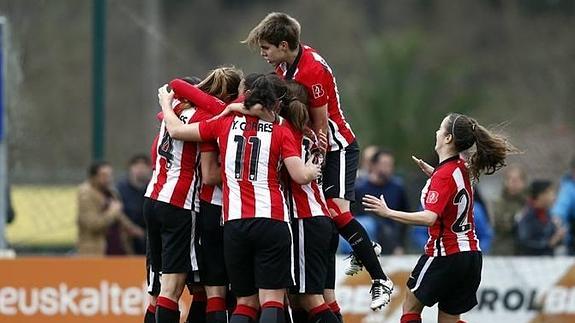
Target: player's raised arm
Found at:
198, 97
379, 206
175, 127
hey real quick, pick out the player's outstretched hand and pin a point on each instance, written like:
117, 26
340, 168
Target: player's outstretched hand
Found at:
375, 205
425, 167
165, 96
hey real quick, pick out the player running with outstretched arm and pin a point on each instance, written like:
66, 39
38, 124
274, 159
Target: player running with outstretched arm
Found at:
277, 37
449, 272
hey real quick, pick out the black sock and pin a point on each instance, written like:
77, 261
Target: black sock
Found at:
167, 311
244, 314
324, 316
150, 316
357, 237
339, 317
216, 317
165, 315
299, 315
272, 315
197, 313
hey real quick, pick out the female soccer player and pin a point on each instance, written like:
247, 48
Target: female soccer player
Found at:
449, 272
213, 274
257, 238
316, 239
171, 194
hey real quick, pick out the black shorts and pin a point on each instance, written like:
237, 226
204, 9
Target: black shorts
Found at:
169, 231
340, 172
258, 254
211, 245
312, 253
451, 281
152, 278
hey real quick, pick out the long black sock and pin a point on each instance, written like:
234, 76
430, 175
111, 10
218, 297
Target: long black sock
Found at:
197, 313
272, 312
299, 315
355, 234
244, 314
323, 314
167, 311
216, 310
150, 316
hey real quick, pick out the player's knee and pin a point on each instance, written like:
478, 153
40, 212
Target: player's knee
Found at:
329, 295
251, 301
172, 285
338, 205
216, 291
271, 295
309, 301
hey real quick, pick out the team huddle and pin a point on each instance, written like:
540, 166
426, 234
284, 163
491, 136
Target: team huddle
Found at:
252, 184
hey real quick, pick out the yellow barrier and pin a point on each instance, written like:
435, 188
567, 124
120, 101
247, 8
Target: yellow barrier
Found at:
45, 215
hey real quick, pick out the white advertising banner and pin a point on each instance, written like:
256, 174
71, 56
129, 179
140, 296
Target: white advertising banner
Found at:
513, 289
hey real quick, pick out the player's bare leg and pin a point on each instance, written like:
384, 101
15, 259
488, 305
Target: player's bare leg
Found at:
412, 309
354, 233
216, 308
246, 310
272, 302
172, 286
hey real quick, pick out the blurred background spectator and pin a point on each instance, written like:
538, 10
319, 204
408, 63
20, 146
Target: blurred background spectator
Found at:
381, 180
564, 207
507, 208
132, 189
102, 226
483, 227
365, 162
537, 233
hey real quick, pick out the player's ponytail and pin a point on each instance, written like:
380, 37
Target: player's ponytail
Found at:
266, 90
223, 83
294, 106
490, 151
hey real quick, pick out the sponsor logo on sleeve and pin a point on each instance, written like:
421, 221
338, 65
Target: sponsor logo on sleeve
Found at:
432, 197
317, 90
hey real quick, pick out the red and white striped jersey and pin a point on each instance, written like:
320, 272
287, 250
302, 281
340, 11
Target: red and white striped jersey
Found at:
210, 193
313, 72
305, 201
252, 151
449, 194
176, 178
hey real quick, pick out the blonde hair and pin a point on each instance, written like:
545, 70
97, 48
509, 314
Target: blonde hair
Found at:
222, 82
275, 28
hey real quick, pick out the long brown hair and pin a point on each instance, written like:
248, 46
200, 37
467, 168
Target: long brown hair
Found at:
294, 106
491, 149
222, 82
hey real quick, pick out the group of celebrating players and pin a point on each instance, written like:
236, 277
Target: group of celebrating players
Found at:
252, 184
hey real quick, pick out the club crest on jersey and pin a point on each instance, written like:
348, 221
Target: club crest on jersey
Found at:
317, 90
432, 197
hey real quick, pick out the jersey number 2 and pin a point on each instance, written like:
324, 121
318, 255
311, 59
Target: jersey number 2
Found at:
461, 224
239, 166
